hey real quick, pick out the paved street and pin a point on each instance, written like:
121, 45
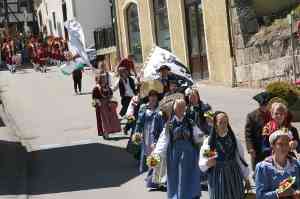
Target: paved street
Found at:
59, 128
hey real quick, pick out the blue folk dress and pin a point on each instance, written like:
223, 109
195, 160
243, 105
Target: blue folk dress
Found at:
145, 125
183, 174
268, 177
225, 180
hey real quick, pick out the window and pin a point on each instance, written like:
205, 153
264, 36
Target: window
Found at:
54, 20
40, 18
64, 10
135, 46
161, 24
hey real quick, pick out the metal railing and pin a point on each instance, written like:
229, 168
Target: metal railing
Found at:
104, 37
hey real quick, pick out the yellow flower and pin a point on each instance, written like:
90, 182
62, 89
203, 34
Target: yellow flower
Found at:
153, 160
137, 138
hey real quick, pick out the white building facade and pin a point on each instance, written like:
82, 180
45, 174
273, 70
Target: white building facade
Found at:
91, 14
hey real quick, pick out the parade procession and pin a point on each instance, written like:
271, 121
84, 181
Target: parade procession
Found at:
181, 142
105, 99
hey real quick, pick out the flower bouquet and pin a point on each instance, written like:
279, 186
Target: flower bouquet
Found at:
209, 114
208, 153
286, 184
153, 160
136, 138
130, 119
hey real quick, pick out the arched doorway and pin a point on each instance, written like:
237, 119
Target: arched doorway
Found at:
196, 39
134, 38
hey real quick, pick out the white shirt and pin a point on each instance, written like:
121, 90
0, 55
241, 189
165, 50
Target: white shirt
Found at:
240, 154
128, 90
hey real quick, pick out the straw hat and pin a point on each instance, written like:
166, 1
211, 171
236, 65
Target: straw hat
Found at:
166, 105
152, 85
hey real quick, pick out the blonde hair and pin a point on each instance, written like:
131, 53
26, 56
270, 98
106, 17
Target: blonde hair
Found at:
278, 106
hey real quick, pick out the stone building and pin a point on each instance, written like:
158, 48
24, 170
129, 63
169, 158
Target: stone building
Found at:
220, 40
194, 30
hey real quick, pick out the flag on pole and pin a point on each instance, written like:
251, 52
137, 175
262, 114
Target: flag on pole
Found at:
76, 46
159, 57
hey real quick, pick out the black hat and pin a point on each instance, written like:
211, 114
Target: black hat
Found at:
163, 67
173, 80
263, 98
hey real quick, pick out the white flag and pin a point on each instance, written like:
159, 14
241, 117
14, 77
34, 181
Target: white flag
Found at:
76, 46
159, 57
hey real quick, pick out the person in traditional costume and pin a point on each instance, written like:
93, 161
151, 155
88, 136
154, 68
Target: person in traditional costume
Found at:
149, 118
102, 68
128, 63
222, 158
132, 116
280, 119
42, 57
9, 52
164, 72
106, 114
77, 54
32, 47
196, 110
255, 122
144, 125
172, 86
271, 173
177, 144
127, 88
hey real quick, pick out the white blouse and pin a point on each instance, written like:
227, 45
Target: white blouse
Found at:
240, 154
164, 139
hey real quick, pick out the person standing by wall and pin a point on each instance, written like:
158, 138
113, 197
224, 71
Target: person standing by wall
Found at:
255, 122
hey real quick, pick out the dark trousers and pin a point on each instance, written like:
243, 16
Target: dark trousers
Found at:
77, 84
125, 101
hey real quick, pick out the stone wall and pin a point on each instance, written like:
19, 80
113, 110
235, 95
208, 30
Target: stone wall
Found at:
262, 54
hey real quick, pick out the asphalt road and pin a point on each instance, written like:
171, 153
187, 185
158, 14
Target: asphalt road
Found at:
58, 128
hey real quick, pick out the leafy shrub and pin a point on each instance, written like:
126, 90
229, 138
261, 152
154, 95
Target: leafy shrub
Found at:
284, 90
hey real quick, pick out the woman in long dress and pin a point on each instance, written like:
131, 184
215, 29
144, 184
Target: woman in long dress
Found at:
226, 168
148, 113
107, 118
177, 144
277, 168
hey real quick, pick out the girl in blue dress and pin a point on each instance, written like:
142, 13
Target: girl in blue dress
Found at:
177, 144
222, 158
276, 168
149, 114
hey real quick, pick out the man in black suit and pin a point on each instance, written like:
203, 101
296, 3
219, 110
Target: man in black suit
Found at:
256, 120
127, 89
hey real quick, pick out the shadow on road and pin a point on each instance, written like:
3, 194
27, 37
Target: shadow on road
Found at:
2, 124
13, 172
78, 168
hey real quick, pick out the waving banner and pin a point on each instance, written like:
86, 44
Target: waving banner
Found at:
159, 57
76, 46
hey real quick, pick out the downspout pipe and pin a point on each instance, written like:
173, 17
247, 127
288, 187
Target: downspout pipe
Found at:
231, 42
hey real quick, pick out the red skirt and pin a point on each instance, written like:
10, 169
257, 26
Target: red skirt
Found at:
107, 119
